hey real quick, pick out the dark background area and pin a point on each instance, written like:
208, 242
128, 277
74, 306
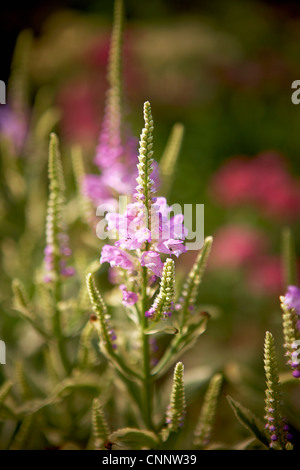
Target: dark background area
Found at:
15, 16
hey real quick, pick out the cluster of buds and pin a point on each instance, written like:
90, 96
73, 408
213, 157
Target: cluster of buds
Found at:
164, 302
145, 187
177, 408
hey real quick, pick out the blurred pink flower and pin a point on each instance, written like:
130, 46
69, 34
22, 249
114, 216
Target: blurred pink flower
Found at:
14, 128
77, 101
265, 276
236, 246
263, 182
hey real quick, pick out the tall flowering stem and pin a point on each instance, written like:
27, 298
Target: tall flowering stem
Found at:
57, 248
144, 197
275, 423
145, 231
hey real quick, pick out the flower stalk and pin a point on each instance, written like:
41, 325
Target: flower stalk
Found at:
276, 425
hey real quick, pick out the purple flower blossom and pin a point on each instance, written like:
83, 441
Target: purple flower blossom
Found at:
129, 298
131, 227
292, 298
149, 313
171, 247
296, 373
151, 260
116, 257
134, 234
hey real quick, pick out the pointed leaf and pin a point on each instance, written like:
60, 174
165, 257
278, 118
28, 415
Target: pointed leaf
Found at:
134, 438
249, 420
161, 327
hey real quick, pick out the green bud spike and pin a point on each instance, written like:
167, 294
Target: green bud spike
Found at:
163, 304
54, 211
55, 171
205, 423
176, 409
190, 289
273, 397
103, 318
57, 241
106, 333
99, 424
168, 161
145, 183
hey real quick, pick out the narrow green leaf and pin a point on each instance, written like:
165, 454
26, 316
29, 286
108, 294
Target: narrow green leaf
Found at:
168, 161
249, 420
162, 327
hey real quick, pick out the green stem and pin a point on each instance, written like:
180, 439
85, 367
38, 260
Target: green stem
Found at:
147, 380
169, 354
57, 328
